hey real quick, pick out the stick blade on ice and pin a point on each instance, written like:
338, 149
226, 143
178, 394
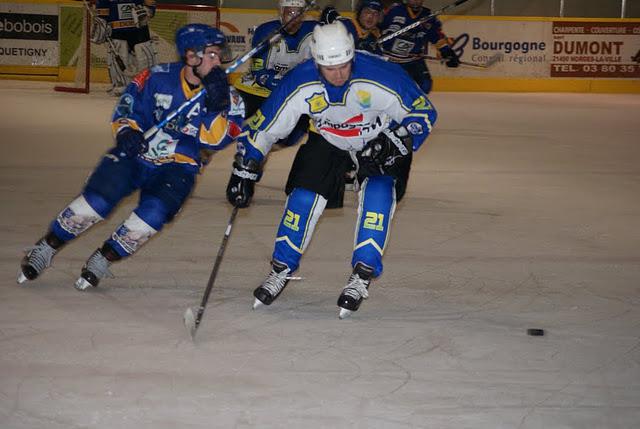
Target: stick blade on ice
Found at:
190, 322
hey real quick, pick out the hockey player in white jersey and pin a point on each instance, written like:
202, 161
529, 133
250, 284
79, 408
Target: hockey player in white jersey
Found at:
163, 168
363, 109
269, 65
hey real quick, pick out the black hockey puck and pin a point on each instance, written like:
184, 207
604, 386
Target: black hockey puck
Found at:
534, 332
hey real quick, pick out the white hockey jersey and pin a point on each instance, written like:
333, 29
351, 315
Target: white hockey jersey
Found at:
378, 95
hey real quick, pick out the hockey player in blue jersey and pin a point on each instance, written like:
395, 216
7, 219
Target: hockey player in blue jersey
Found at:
363, 26
127, 23
163, 168
409, 49
363, 110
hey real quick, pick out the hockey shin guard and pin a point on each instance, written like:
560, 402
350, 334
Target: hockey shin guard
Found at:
147, 220
301, 213
78, 216
375, 211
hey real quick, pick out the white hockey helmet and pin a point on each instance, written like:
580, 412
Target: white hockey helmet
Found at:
291, 3
332, 44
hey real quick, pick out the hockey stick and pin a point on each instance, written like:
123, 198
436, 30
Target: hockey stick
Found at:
108, 39
491, 61
272, 38
422, 21
191, 320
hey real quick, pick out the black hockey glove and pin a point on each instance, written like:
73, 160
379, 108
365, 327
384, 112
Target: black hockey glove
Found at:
131, 142
242, 182
217, 98
329, 15
383, 154
449, 56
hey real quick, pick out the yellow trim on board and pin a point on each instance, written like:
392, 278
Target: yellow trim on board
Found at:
471, 84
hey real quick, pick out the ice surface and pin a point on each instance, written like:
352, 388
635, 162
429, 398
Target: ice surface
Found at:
522, 212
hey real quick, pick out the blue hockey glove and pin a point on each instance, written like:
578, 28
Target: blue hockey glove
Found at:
131, 142
242, 182
270, 79
329, 15
384, 154
217, 98
450, 57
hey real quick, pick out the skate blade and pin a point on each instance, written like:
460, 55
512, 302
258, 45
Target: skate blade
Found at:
21, 278
257, 304
344, 313
190, 322
81, 284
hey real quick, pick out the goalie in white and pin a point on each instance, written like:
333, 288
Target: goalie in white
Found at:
124, 26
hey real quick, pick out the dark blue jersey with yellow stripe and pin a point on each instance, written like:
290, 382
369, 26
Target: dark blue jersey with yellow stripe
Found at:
412, 45
155, 93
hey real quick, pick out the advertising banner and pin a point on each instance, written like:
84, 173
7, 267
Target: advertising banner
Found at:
28, 34
528, 47
596, 49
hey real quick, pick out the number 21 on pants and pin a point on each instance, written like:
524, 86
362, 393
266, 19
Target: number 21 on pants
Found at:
374, 221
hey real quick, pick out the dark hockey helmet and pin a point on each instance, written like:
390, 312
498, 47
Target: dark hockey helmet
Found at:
370, 4
197, 37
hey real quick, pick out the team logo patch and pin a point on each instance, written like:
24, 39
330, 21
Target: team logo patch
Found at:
414, 128
317, 103
364, 99
163, 100
125, 105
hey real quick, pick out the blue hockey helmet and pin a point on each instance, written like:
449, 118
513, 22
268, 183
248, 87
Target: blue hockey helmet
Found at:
370, 4
196, 37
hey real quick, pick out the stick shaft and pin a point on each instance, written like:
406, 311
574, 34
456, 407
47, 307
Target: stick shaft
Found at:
216, 266
420, 22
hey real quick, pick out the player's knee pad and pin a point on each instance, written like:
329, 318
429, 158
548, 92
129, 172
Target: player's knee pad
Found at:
113, 179
130, 235
375, 212
301, 213
146, 55
75, 219
155, 211
171, 186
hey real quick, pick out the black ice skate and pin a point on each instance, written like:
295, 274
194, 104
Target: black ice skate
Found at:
273, 285
355, 291
95, 269
38, 258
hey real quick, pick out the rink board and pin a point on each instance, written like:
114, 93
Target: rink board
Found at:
538, 54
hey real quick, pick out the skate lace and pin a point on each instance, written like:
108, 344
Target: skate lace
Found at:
357, 287
39, 256
99, 265
276, 281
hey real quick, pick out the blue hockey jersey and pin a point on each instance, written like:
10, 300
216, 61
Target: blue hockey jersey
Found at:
379, 95
155, 93
412, 45
270, 64
365, 40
